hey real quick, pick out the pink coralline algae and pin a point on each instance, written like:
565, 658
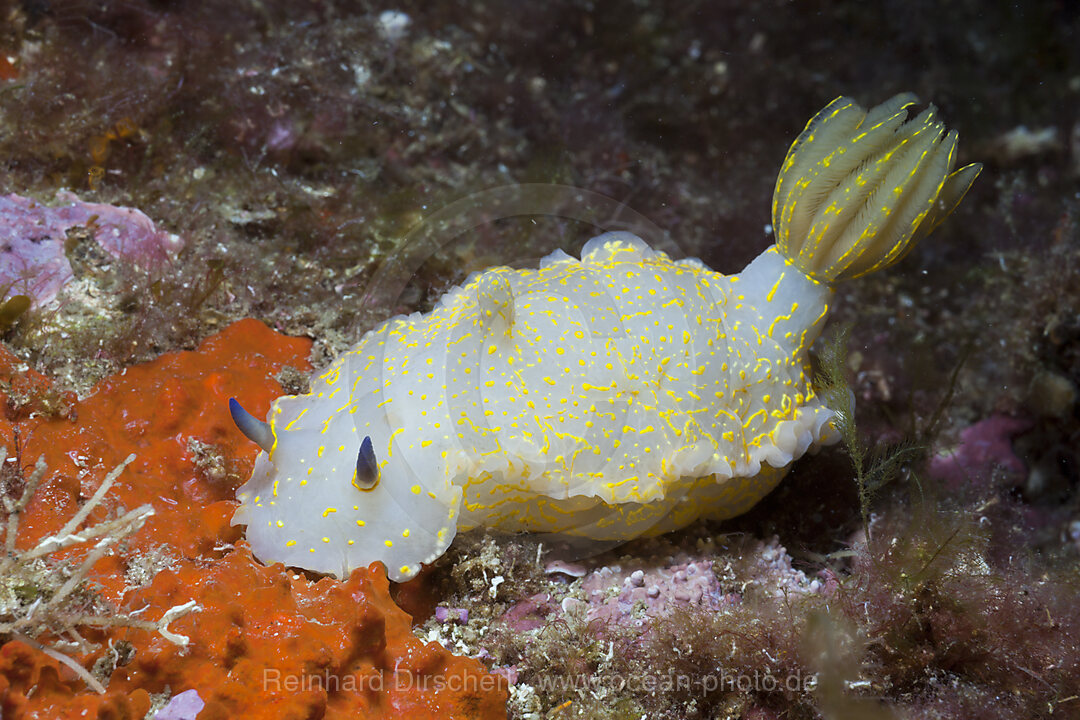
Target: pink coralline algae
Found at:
671, 576
185, 706
982, 447
444, 614
33, 260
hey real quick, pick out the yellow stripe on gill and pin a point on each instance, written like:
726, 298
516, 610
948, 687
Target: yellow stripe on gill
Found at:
859, 189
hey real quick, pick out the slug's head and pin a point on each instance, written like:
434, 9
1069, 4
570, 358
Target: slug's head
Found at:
329, 496
858, 189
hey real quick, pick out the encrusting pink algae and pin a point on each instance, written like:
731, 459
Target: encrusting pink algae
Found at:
33, 257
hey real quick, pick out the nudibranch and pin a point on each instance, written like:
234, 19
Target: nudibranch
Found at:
619, 395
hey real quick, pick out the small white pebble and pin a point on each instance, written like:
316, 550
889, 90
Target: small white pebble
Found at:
393, 24
637, 578
653, 591
361, 74
570, 603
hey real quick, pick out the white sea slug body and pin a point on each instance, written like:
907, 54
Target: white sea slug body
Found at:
619, 395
